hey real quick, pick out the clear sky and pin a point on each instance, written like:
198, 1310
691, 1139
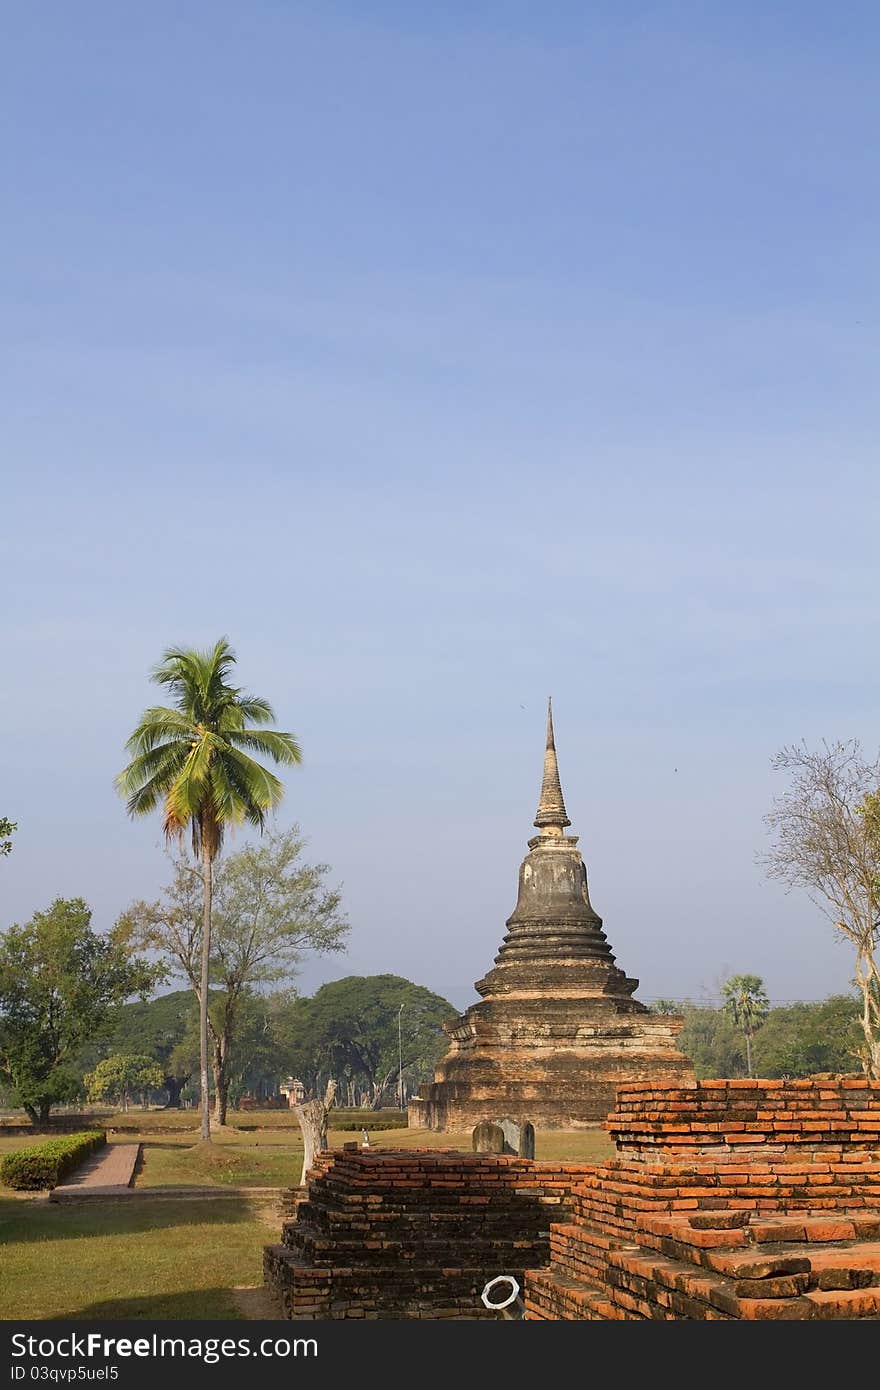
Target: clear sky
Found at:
444, 357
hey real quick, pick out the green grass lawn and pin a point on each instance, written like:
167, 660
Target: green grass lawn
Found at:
174, 1259
274, 1158
263, 1157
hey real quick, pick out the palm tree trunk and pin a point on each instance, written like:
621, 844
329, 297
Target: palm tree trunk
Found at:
208, 883
749, 1053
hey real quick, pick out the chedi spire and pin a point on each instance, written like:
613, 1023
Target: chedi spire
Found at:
557, 1028
552, 817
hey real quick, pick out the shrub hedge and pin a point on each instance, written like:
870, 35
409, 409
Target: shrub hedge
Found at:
44, 1165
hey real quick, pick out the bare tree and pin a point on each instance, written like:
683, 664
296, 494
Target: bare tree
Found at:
312, 1116
826, 843
269, 908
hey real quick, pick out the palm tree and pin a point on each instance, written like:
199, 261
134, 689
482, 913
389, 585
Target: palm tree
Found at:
194, 760
746, 1005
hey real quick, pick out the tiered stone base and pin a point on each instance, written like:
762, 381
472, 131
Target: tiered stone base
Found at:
731, 1200
557, 1063
563, 1088
414, 1234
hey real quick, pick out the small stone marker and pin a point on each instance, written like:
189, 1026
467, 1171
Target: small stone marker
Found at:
519, 1137
511, 1134
527, 1140
488, 1138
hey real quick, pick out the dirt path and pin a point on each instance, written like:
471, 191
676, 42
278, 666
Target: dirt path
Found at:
255, 1303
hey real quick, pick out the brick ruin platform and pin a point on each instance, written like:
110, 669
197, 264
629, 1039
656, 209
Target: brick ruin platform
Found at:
415, 1233
557, 1028
738, 1199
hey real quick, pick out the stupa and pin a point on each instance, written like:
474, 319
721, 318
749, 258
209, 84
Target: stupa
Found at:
557, 1028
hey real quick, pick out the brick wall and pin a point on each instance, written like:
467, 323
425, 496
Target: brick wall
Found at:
715, 1116
415, 1234
727, 1200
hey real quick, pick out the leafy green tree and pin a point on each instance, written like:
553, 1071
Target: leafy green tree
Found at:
61, 985
712, 1043
269, 909
194, 760
121, 1076
666, 1007
255, 1059
806, 1038
164, 1029
7, 829
349, 1028
746, 1005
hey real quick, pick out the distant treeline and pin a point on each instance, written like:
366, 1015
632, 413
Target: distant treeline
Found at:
358, 1030
795, 1041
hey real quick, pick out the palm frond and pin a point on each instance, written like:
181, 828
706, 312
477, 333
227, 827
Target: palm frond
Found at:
255, 709
256, 787
156, 724
233, 796
284, 748
145, 788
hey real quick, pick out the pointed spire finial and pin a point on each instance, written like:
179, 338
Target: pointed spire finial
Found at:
552, 817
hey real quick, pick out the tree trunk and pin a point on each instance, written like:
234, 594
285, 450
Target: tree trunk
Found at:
221, 1098
32, 1115
45, 1107
207, 877
868, 980
749, 1053
220, 1066
380, 1088
174, 1088
312, 1118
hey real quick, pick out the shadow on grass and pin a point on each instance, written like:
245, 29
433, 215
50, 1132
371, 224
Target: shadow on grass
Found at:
199, 1305
180, 1147
30, 1221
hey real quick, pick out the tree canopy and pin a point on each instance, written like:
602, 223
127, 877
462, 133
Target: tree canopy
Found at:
123, 1075
349, 1030
165, 1029
802, 1039
796, 1041
61, 985
269, 909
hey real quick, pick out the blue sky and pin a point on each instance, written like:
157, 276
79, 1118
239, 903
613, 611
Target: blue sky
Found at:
444, 358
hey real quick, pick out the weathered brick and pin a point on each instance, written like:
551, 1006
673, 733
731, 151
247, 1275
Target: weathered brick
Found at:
846, 1303
775, 1286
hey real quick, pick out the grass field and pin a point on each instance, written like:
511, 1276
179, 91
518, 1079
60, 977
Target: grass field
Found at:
182, 1258
267, 1157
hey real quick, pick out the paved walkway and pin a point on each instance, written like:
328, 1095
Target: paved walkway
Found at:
107, 1173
